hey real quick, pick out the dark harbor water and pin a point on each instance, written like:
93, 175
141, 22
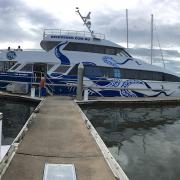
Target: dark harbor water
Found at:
15, 115
145, 141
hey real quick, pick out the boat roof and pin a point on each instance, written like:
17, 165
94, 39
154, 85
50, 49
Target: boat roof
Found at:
51, 35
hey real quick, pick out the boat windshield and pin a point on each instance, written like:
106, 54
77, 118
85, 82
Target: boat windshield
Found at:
62, 68
15, 66
93, 48
122, 52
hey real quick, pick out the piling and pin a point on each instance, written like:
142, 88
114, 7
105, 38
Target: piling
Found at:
80, 82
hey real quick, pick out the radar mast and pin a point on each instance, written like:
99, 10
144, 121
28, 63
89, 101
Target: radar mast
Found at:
86, 20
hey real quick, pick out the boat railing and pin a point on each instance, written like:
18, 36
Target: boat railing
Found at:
73, 83
50, 87
32, 49
60, 32
66, 81
13, 49
52, 83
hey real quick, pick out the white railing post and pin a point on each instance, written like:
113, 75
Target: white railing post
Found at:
1, 117
86, 94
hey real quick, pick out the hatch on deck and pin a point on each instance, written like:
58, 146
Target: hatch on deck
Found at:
59, 172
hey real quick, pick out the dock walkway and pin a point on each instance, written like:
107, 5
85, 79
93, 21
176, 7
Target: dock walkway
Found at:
58, 135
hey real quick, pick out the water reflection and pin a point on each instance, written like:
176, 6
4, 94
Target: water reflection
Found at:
145, 140
15, 115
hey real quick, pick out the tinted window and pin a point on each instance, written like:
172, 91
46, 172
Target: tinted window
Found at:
98, 49
74, 70
109, 72
27, 68
141, 74
122, 52
71, 46
92, 71
50, 66
148, 75
117, 73
170, 77
158, 76
62, 69
15, 67
97, 71
6, 65
111, 51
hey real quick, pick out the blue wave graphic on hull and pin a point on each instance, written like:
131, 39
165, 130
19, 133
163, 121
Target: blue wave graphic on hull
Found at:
126, 92
129, 60
161, 92
112, 62
64, 60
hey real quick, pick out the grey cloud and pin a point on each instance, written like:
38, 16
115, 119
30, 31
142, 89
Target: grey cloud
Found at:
12, 11
169, 57
113, 25
156, 52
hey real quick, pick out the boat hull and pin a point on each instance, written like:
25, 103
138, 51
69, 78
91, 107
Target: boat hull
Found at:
101, 87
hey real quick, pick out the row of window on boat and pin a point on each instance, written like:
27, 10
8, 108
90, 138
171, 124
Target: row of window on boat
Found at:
89, 71
85, 47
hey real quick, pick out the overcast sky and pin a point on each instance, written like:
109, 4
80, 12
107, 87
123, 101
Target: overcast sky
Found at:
22, 21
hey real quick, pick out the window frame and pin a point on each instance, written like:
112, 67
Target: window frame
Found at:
22, 70
67, 67
94, 48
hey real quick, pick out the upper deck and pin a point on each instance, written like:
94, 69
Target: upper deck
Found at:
55, 34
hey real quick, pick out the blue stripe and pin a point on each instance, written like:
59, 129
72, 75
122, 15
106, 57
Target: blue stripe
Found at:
64, 60
129, 60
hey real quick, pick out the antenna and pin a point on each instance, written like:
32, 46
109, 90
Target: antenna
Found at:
86, 21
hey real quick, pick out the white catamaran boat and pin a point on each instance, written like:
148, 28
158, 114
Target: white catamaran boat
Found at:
108, 69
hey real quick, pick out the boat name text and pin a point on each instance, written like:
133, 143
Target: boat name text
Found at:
72, 37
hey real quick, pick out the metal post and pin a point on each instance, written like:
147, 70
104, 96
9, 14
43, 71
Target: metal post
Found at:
1, 117
86, 94
127, 29
80, 82
32, 92
151, 37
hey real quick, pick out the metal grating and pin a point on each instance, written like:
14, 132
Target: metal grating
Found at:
59, 172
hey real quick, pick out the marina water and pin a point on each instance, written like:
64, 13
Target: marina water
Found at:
145, 141
15, 115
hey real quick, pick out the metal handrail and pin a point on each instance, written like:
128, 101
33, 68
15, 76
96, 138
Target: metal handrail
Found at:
71, 32
49, 86
75, 79
84, 87
85, 80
